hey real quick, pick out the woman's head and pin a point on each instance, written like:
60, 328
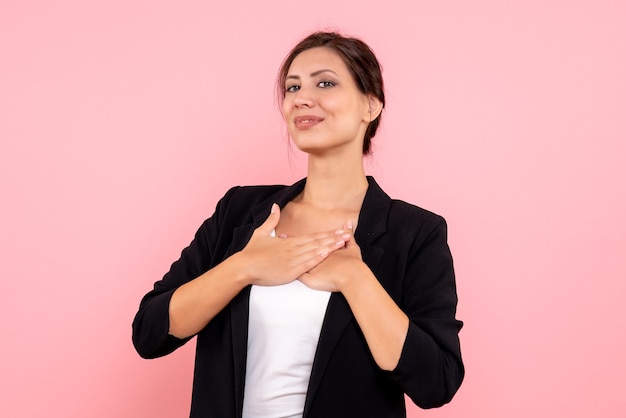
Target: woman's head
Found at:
360, 62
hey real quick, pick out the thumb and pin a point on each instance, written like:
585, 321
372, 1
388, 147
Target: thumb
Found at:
351, 243
272, 220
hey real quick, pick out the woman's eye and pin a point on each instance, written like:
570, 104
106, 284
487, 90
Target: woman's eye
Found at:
291, 89
325, 84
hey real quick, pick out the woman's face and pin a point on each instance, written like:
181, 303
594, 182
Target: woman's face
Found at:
323, 108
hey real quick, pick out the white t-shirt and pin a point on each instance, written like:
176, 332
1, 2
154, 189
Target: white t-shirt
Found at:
283, 331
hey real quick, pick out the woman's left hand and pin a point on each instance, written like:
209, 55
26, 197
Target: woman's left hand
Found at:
327, 276
384, 324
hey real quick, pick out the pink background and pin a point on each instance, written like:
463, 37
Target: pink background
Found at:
123, 122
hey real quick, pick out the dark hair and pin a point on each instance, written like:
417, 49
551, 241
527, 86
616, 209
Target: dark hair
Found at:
360, 60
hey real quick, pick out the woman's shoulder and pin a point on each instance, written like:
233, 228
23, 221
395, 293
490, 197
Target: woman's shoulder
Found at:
253, 193
256, 190
399, 211
412, 223
279, 193
405, 210
241, 202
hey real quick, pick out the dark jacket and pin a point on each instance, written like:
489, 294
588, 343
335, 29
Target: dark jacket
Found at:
406, 249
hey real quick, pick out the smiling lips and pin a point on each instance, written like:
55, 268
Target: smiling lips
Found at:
306, 121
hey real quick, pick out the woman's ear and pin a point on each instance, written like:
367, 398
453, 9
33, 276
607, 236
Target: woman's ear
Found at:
374, 108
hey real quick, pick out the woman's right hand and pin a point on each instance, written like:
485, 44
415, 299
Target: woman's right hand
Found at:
271, 261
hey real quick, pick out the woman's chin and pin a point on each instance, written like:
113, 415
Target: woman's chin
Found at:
322, 146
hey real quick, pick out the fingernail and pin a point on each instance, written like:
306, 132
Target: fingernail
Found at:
274, 207
349, 224
339, 231
345, 236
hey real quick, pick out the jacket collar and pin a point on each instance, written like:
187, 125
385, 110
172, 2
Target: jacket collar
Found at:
372, 218
371, 225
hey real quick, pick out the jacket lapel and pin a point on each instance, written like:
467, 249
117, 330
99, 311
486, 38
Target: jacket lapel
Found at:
239, 306
372, 223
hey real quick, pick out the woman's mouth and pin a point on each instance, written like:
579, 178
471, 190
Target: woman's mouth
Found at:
306, 121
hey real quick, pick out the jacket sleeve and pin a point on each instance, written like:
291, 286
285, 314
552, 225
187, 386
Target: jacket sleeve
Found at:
151, 325
430, 369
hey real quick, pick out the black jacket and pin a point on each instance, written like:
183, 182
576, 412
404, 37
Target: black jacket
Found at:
406, 249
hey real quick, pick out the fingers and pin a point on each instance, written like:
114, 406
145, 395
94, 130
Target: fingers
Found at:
321, 243
352, 246
304, 253
272, 220
322, 238
312, 252
307, 262
278, 261
350, 228
301, 253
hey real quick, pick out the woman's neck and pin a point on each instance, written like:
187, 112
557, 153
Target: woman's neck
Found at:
332, 185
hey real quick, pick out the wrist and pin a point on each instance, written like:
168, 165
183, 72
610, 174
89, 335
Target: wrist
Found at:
352, 277
237, 270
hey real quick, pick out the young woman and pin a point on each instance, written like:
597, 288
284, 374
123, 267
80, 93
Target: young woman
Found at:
325, 298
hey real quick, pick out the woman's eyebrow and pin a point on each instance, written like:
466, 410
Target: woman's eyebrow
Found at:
313, 74
318, 72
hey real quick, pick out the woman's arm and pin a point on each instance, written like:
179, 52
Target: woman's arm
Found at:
265, 261
415, 342
383, 323
177, 308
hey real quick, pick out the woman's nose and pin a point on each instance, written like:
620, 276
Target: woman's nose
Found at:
303, 98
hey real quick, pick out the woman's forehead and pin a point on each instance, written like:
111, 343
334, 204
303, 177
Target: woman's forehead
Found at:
315, 60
